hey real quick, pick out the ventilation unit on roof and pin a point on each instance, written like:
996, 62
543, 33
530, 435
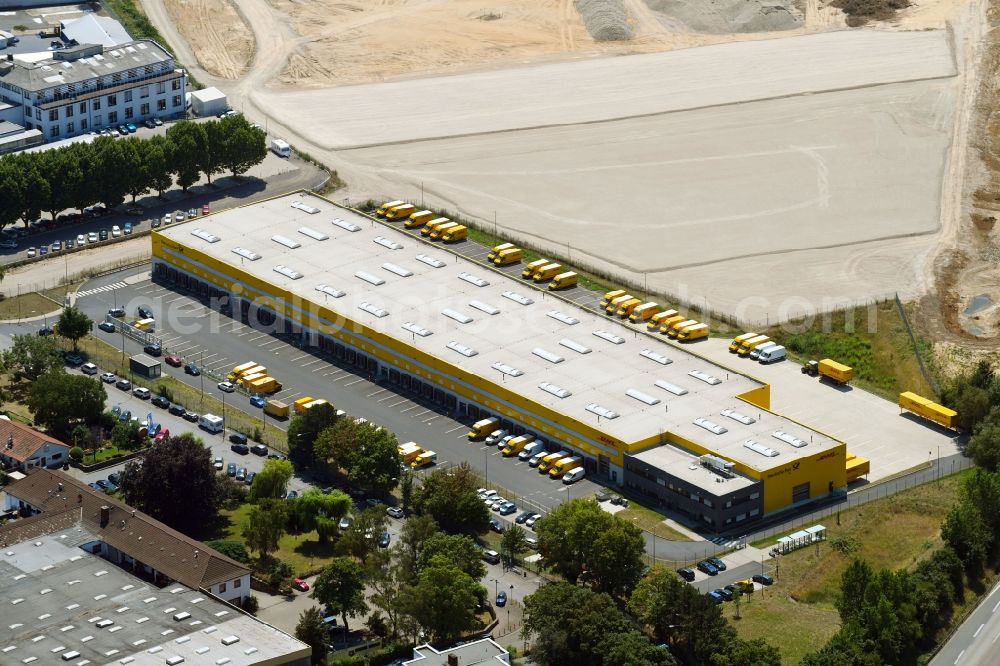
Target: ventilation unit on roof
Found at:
398, 270
672, 388
517, 298
547, 355
312, 210
287, 242
575, 346
330, 291
788, 438
737, 416
430, 261
350, 226
175, 660
385, 242
705, 377
654, 356
246, 254
563, 317
205, 235
757, 447
710, 426
484, 307
717, 465
642, 397
368, 277
312, 233
180, 617
372, 309
594, 408
70, 655
287, 272
610, 337
456, 315
557, 391
416, 330
461, 349
508, 370
472, 279
229, 640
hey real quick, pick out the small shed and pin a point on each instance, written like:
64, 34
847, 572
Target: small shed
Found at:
145, 366
208, 102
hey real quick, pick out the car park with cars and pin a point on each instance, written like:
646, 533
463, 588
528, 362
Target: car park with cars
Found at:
707, 567
109, 378
173, 360
153, 349
88, 369
160, 401
686, 573
763, 579
192, 369
231, 469
241, 449
141, 392
226, 387
107, 326
717, 563
177, 410
124, 385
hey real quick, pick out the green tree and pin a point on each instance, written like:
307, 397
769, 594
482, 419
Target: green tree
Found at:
303, 432
631, 648
243, 146
31, 356
444, 599
458, 549
36, 194
60, 401
234, 550
12, 198
175, 483
513, 542
406, 490
341, 585
76, 453
965, 532
449, 496
311, 631
740, 652
981, 489
984, 446
578, 536
361, 538
133, 173
387, 577
271, 482
109, 186
315, 510
157, 164
215, 144
854, 583
189, 151
413, 537
373, 462
73, 325
265, 526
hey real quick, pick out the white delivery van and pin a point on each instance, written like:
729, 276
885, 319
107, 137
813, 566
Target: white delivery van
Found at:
211, 422
755, 354
531, 449
772, 354
573, 475
281, 148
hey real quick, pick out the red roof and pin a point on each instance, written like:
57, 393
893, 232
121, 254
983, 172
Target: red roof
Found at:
21, 442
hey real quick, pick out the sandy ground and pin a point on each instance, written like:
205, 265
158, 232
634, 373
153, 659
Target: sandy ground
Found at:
222, 41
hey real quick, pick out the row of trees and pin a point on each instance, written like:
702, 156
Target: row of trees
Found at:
107, 170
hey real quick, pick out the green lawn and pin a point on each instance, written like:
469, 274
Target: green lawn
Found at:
651, 521
302, 552
28, 305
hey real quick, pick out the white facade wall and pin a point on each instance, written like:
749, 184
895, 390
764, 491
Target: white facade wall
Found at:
234, 590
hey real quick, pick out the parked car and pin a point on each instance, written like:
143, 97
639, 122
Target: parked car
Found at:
109, 378
74, 358
495, 436
707, 567
345, 522
141, 392
160, 401
125, 416
531, 542
153, 349
117, 312
291, 494
192, 212
241, 449
241, 474
166, 219
88, 369
115, 478
57, 246
127, 229
204, 209
530, 522
491, 556
107, 326
384, 539
102, 234
173, 360
394, 511
218, 464
257, 401
190, 416
501, 599
715, 596
162, 435
148, 124
124, 385
250, 477
226, 387
131, 128
179, 216
763, 579
155, 223
496, 525
144, 312
507, 508
300, 584
724, 593
231, 469
238, 438
177, 410
45, 330
192, 369
258, 450
717, 563
686, 573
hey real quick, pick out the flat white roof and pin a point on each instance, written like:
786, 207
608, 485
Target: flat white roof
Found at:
612, 375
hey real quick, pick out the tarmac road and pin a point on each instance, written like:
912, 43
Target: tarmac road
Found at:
975, 640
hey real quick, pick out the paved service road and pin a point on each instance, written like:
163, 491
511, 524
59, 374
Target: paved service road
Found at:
975, 641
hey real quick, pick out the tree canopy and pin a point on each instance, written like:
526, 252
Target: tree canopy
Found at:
31, 356
312, 631
366, 453
444, 599
272, 481
303, 431
61, 401
73, 325
449, 496
341, 586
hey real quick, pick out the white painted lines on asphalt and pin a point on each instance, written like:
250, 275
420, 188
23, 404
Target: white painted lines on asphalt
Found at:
398, 403
361, 379
460, 427
271, 346
258, 337
389, 397
995, 638
299, 358
995, 607
426, 411
306, 365
98, 290
403, 411
432, 418
375, 393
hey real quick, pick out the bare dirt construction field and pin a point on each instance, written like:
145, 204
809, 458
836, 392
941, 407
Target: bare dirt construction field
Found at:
222, 42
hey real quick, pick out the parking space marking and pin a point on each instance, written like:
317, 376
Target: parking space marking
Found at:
436, 416
460, 427
271, 346
426, 411
403, 411
313, 362
299, 358
322, 367
389, 397
258, 337
398, 403
381, 390
360, 379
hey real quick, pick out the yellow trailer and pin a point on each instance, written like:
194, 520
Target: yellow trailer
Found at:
413, 224
670, 321
751, 344
455, 234
856, 467
251, 377
264, 385
432, 226
659, 318
497, 249
679, 326
734, 346
384, 208
838, 372
547, 272
400, 212
408, 452
529, 270
239, 370
610, 296
276, 408
695, 332
481, 429
300, 404
424, 459
921, 406
419, 218
643, 312
441, 229
508, 257
563, 281
315, 403
625, 309
616, 302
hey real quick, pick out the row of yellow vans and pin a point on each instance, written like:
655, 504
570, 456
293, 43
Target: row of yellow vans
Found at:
559, 465
254, 378
415, 456
669, 322
542, 270
434, 227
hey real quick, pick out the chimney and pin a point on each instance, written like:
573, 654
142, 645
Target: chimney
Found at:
105, 515
452, 660
79, 498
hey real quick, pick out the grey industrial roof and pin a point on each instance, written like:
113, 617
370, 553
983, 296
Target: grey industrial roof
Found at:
687, 467
483, 651
93, 29
389, 286
58, 599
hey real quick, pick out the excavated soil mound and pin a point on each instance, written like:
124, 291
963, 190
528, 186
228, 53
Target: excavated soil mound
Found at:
727, 16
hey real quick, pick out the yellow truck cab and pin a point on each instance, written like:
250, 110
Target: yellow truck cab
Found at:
565, 465
696, 332
679, 326
240, 369
515, 445
659, 318
419, 218
481, 429
441, 228
670, 321
408, 452
508, 257
276, 408
563, 281
432, 226
413, 224
734, 346
424, 459
547, 272
529, 270
265, 385
400, 212
550, 460
643, 312
613, 306
454, 234
384, 208
300, 405
749, 345
626, 308
497, 249
610, 296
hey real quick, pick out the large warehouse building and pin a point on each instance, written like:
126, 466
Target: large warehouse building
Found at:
697, 437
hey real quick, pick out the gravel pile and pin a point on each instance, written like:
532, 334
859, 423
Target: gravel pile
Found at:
730, 16
606, 20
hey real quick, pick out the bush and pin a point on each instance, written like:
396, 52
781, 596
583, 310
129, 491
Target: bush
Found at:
251, 604
76, 453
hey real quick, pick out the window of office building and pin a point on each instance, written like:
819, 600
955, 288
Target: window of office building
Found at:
161, 87
83, 124
83, 107
177, 100
144, 92
144, 109
69, 111
128, 95
38, 114
161, 105
113, 117
112, 100
175, 84
69, 128
97, 104
128, 112
54, 114
54, 130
